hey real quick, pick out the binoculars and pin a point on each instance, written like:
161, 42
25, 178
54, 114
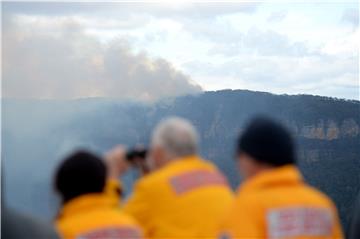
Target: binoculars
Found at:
136, 153
136, 157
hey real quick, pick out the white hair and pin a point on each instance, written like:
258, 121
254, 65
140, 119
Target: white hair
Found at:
177, 136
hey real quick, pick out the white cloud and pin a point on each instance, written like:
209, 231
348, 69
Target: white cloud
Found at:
351, 16
348, 44
279, 48
262, 43
283, 74
277, 16
186, 8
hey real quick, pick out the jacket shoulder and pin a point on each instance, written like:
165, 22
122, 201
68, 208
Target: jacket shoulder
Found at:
150, 179
161, 177
319, 196
111, 216
249, 198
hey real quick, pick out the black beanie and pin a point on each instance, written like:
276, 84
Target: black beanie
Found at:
267, 141
80, 173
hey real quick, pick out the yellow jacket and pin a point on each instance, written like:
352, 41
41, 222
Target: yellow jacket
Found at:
278, 204
184, 199
95, 216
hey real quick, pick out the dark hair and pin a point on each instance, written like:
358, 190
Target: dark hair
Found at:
267, 141
80, 173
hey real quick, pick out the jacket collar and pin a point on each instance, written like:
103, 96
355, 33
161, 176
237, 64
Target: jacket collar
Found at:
192, 159
188, 158
88, 202
284, 175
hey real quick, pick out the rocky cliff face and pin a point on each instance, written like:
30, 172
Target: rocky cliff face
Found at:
329, 129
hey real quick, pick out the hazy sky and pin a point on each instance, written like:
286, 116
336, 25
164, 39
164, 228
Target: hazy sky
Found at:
151, 50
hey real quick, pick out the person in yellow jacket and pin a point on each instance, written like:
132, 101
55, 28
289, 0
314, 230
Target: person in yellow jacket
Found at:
88, 212
184, 196
273, 200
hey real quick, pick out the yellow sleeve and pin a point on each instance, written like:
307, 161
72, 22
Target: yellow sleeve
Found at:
138, 206
338, 233
244, 220
113, 189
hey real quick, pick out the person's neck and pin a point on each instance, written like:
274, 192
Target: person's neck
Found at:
260, 170
169, 159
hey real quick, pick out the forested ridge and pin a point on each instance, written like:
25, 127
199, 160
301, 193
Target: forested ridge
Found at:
37, 133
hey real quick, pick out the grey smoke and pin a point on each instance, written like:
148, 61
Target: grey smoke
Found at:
61, 61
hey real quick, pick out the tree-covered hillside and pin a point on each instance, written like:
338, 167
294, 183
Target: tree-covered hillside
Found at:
36, 134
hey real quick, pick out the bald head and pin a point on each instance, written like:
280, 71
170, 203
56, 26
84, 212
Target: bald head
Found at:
176, 136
